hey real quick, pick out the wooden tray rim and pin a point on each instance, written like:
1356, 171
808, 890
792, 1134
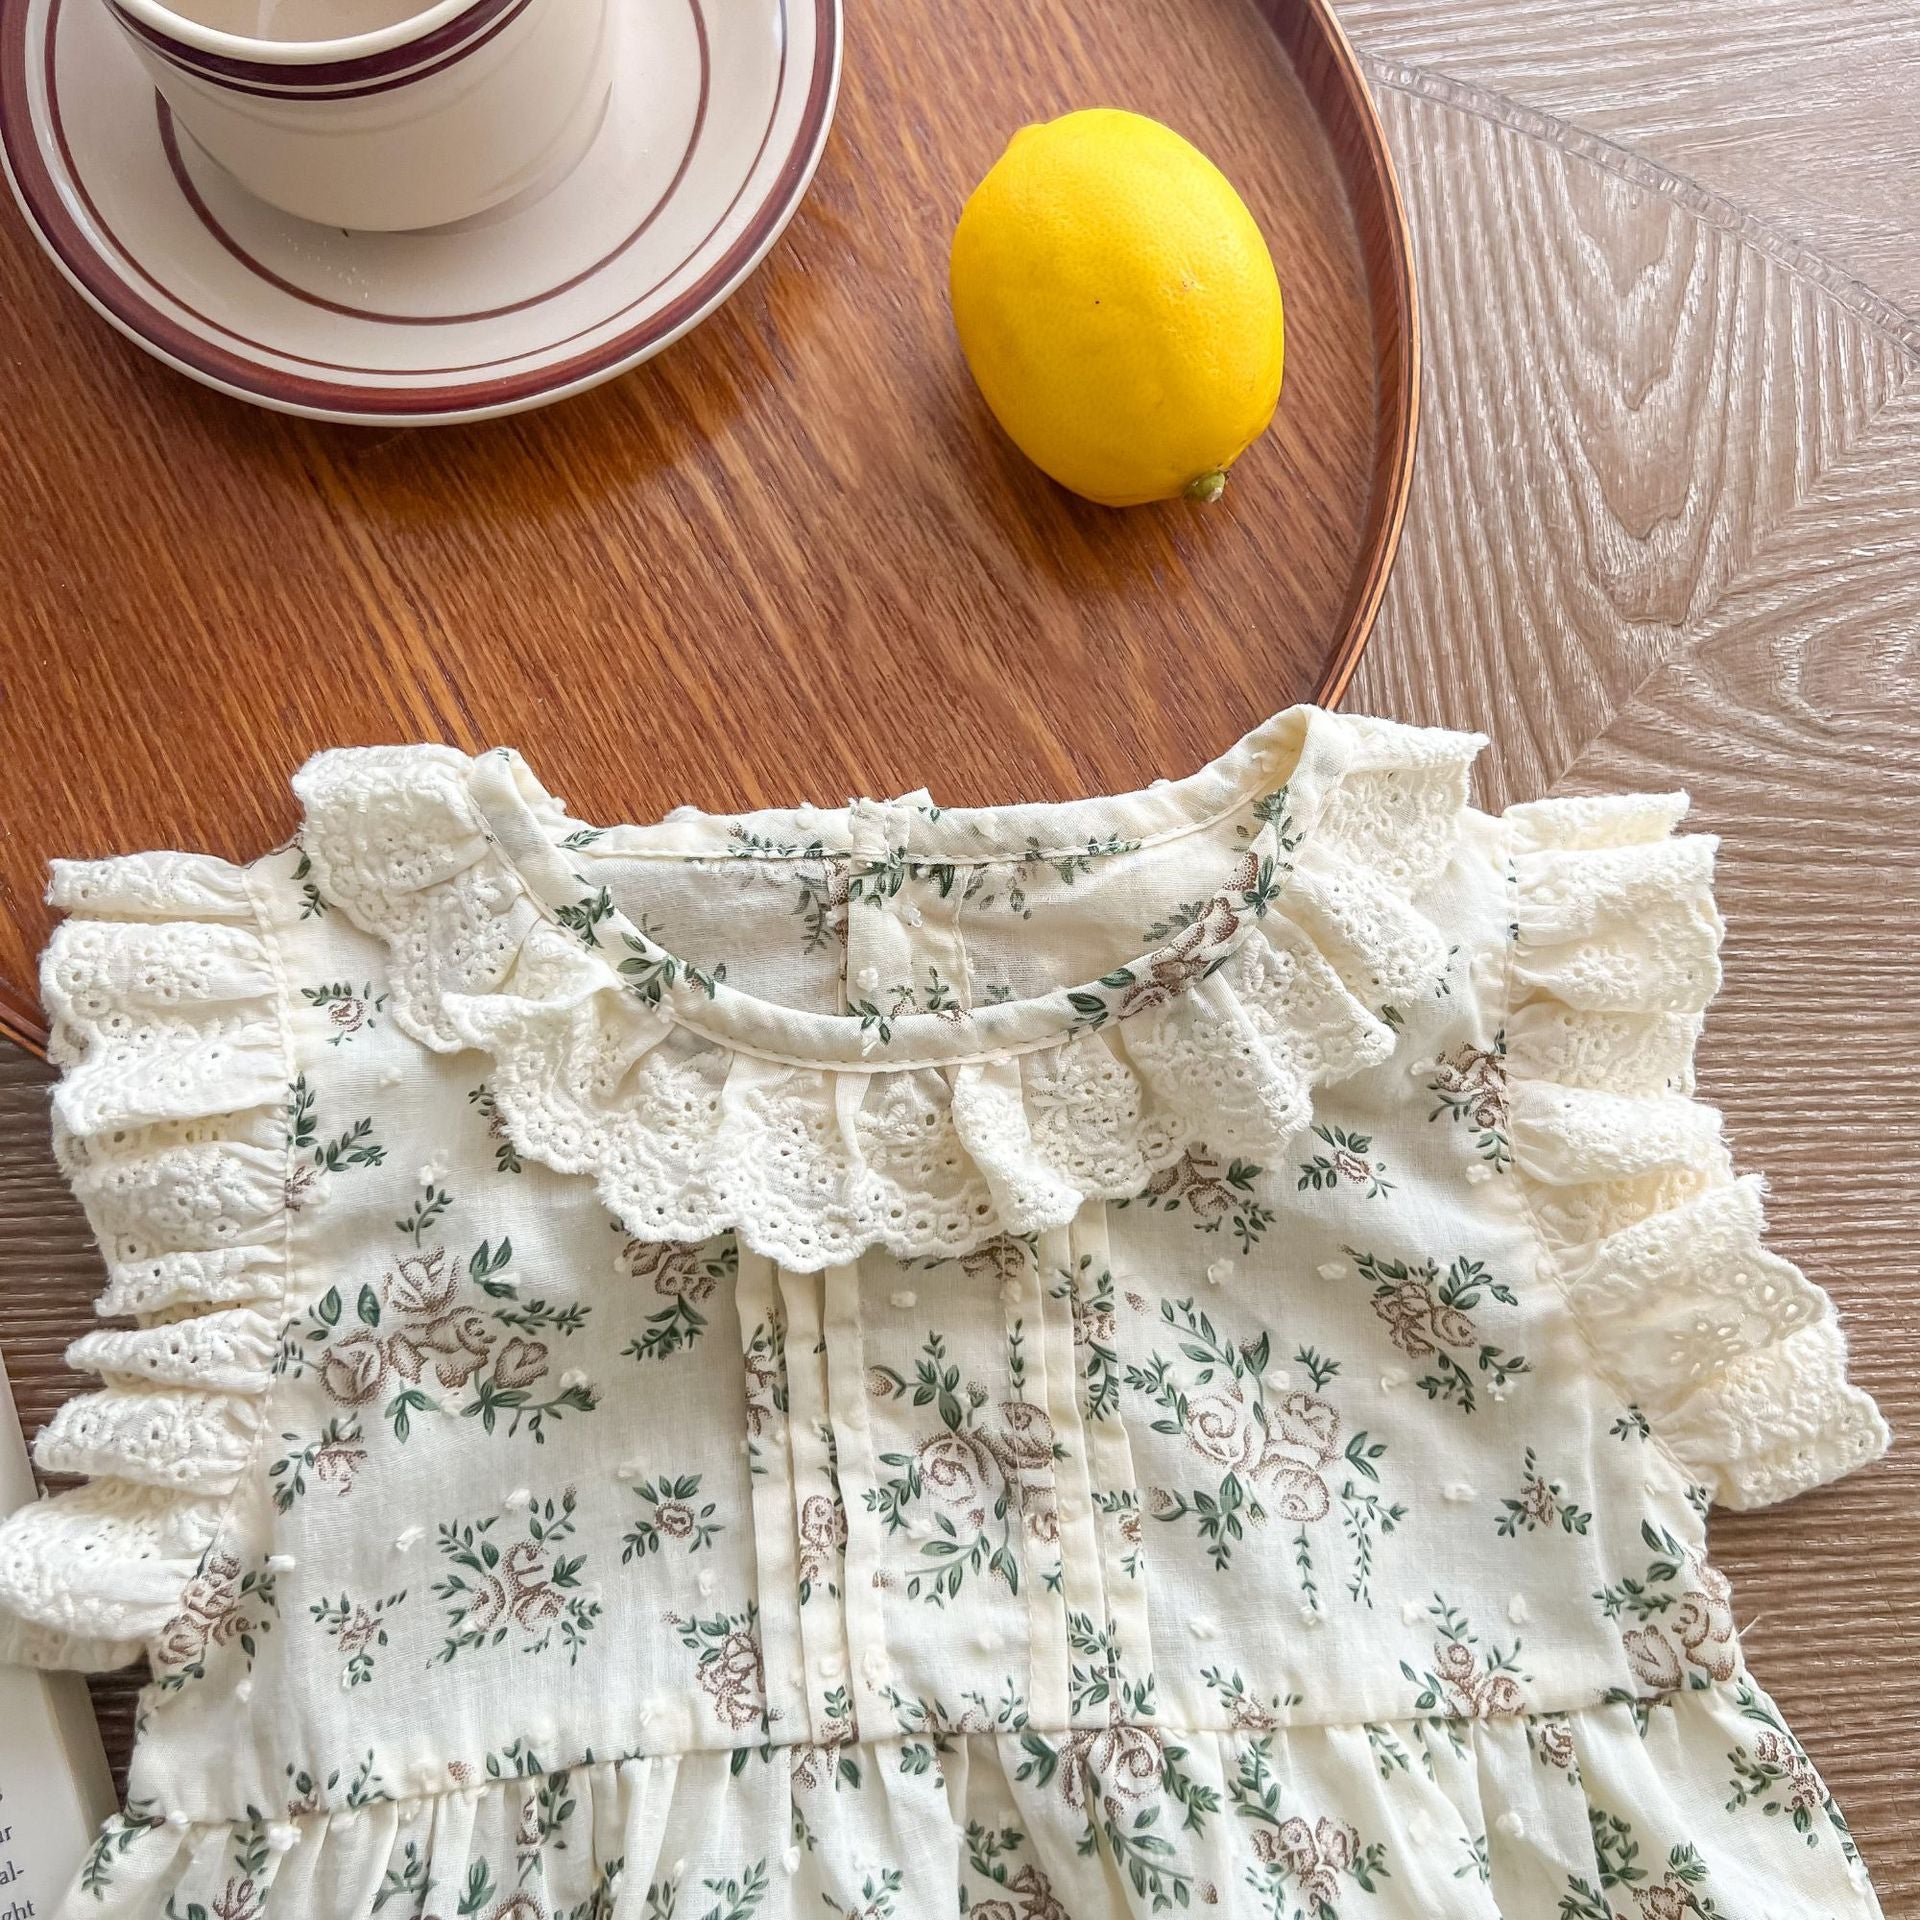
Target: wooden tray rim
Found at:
1303, 28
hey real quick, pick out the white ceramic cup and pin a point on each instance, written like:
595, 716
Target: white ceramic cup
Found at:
454, 109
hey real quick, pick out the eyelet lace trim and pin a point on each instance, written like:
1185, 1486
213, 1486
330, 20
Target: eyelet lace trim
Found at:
687, 1136
169, 1124
1733, 1355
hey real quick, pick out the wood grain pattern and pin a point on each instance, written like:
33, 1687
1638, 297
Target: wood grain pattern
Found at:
792, 558
1665, 534
1628, 394
1801, 112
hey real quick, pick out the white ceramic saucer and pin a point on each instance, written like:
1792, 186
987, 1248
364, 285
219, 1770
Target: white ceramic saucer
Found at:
717, 116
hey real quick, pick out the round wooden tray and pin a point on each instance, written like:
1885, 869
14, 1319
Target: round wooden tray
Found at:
792, 558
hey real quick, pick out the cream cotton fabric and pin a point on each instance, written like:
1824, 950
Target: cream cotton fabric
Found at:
1157, 1353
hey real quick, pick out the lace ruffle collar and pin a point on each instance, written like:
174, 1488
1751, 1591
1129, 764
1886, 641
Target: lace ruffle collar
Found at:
699, 1108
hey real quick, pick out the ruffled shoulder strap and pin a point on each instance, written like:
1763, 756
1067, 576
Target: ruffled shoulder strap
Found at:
167, 1019
1735, 1358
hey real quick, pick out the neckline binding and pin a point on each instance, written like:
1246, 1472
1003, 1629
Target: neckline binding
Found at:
1281, 773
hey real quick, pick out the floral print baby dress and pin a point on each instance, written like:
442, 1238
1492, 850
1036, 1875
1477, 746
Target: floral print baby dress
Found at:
1155, 1354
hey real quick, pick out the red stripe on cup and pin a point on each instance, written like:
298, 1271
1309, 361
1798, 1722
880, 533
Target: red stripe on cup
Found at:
293, 78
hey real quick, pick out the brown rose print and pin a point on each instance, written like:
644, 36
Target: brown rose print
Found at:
358, 1629
224, 1604
764, 1368
728, 1667
683, 1275
1028, 1893
420, 1332
1463, 1681
1428, 1315
1279, 1449
527, 1589
1316, 1856
982, 1475
1678, 1894
1215, 1193
1347, 1157
1776, 1775
1539, 1503
334, 1458
831, 1759
1118, 1779
349, 1010
1469, 1087
998, 1260
1189, 957
1248, 1712
823, 1539
1553, 1743
1683, 1632
674, 1517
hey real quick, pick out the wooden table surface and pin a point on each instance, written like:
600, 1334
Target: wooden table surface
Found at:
799, 535
1664, 532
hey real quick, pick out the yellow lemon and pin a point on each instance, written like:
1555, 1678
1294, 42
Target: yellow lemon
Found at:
1119, 308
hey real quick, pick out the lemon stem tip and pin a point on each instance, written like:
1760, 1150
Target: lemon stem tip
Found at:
1209, 487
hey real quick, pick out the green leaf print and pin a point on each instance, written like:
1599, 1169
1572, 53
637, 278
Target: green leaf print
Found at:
962, 1490
358, 1629
1631, 1425
916, 1714
1213, 1194
1469, 1087
1428, 1315
426, 1210
877, 1891
418, 1330
740, 1898
312, 906
410, 1880
1654, 1591
1305, 1857
1349, 1158
226, 1604
584, 916
355, 1147
1090, 1300
334, 1458
1540, 1503
350, 1010
684, 1275
525, 1590
1095, 1679
479, 1889
819, 880
651, 974
111, 1844
506, 1156
1775, 1775
1464, 1679
1278, 1445
672, 1518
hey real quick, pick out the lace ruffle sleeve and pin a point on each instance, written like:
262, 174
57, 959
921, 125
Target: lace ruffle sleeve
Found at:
169, 1123
1736, 1359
